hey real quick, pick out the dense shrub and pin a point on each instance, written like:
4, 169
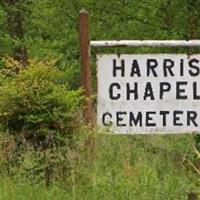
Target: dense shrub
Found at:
36, 104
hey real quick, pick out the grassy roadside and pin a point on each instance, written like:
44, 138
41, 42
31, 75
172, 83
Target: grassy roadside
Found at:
115, 167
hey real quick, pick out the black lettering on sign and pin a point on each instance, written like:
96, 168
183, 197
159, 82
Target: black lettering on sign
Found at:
164, 87
191, 117
168, 64
106, 117
119, 118
193, 64
120, 68
148, 91
182, 68
135, 120
132, 91
180, 91
149, 118
164, 114
115, 96
151, 65
135, 69
176, 118
195, 95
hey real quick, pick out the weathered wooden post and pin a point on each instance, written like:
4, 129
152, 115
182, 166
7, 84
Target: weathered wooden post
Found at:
85, 64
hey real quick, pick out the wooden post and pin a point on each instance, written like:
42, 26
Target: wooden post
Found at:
85, 64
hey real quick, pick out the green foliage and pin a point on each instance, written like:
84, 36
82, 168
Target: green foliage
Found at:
50, 28
37, 103
41, 143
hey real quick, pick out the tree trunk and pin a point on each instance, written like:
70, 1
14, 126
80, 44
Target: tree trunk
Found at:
15, 29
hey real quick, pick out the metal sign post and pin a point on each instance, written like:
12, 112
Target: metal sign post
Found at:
85, 64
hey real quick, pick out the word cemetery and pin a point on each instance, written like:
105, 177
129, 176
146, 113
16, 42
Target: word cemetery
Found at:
152, 93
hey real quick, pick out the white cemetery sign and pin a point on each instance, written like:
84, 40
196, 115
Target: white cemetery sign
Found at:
149, 93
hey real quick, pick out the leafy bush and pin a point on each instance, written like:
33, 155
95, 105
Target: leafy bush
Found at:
37, 105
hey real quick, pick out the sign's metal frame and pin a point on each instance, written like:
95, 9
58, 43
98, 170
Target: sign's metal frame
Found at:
145, 43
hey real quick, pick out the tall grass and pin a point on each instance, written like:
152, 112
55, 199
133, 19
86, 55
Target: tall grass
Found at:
101, 166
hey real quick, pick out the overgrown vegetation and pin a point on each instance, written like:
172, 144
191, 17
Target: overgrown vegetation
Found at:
99, 166
45, 150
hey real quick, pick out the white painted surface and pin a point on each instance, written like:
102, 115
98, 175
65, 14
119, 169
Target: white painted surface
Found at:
147, 43
168, 103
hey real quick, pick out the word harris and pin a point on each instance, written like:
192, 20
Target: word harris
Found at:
170, 83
